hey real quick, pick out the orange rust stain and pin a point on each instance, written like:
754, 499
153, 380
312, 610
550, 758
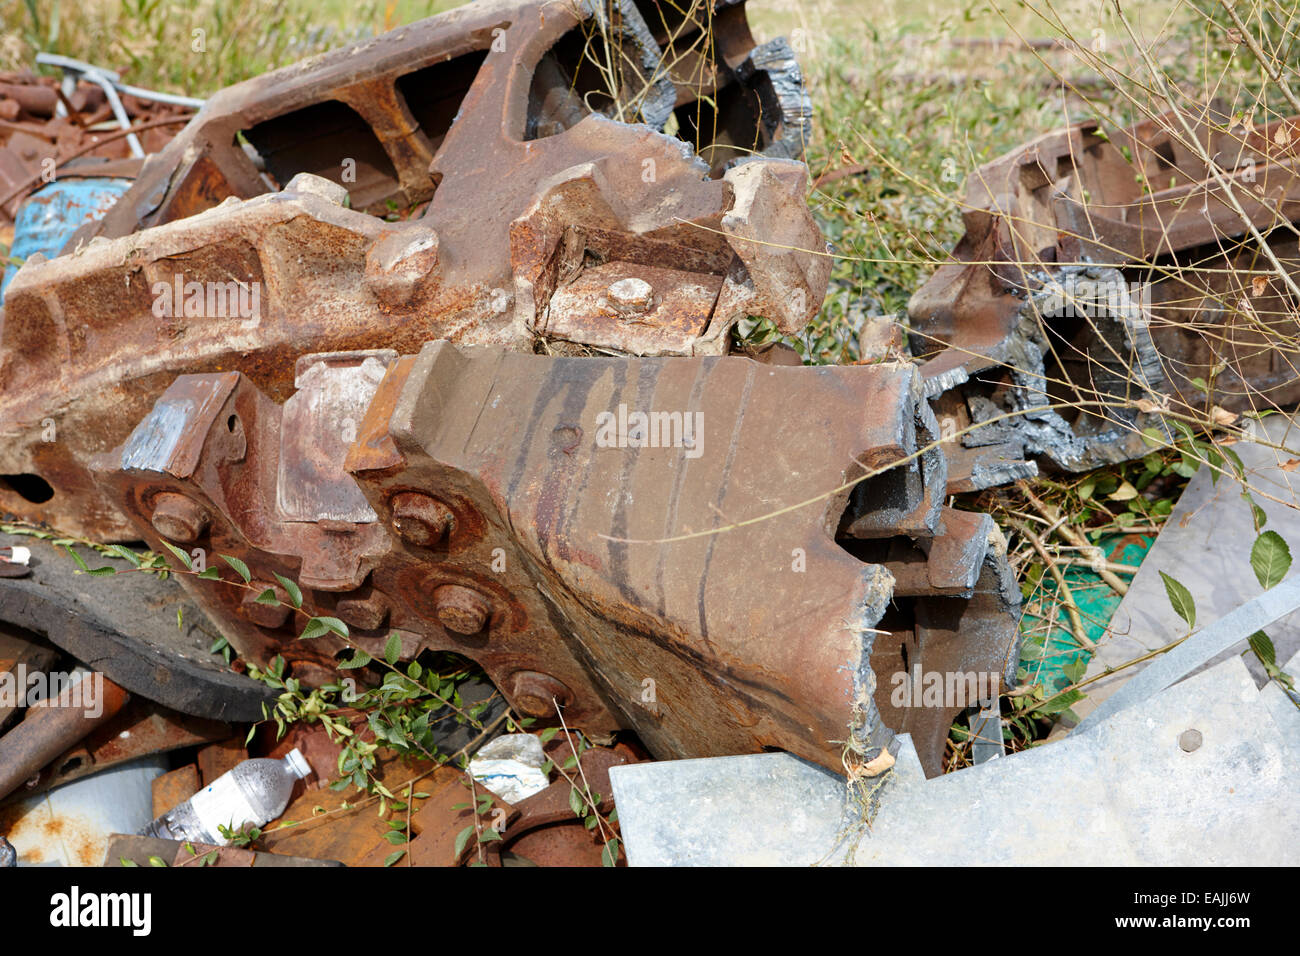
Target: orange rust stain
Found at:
38, 835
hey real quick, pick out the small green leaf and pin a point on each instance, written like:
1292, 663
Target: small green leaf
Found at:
1257, 513
548, 734
102, 572
1181, 599
359, 659
294, 592
1262, 645
319, 626
488, 835
156, 861
576, 803
394, 857
1271, 559
268, 597
609, 855
211, 574
182, 555
124, 553
393, 648
125, 862
395, 837
240, 567
462, 838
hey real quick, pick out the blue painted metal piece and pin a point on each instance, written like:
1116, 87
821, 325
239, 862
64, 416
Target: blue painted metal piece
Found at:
49, 217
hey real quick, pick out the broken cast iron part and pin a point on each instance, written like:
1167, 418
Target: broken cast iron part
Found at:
1090, 279
583, 567
453, 108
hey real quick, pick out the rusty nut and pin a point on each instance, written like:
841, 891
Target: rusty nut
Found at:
264, 615
630, 296
367, 613
461, 610
178, 518
421, 520
535, 694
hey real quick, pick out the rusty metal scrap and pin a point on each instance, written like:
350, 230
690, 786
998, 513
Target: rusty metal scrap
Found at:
718, 553
55, 724
522, 239
38, 141
455, 107
491, 503
1103, 268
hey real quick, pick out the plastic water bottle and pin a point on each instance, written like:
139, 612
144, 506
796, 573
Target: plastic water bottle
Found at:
253, 793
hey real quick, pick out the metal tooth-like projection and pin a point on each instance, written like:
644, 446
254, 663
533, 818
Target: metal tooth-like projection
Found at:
531, 232
1099, 270
610, 534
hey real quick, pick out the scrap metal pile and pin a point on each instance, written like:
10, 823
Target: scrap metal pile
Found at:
437, 326
1105, 277
508, 426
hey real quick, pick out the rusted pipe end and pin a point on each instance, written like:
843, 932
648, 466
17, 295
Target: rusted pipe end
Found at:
264, 615
364, 613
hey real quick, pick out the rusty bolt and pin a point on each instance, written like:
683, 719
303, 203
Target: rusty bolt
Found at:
535, 694
631, 296
178, 517
264, 615
366, 613
312, 674
420, 519
462, 610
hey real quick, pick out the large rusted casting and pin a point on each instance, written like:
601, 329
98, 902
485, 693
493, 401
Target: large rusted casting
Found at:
1102, 269
649, 543
599, 233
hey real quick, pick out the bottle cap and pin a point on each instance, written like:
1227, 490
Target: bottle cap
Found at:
298, 764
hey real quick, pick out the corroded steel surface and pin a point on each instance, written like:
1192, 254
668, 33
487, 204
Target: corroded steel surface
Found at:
1105, 268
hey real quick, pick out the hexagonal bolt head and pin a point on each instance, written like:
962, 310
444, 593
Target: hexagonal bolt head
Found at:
462, 610
264, 615
535, 694
178, 518
1190, 740
366, 614
421, 520
630, 296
